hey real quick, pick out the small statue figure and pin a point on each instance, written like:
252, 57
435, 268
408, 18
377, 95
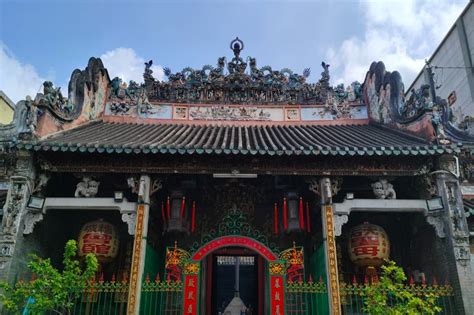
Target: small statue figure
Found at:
436, 121
119, 89
53, 99
384, 190
87, 188
237, 46
148, 75
325, 74
237, 64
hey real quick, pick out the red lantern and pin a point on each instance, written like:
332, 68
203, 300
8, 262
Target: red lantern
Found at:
368, 245
99, 238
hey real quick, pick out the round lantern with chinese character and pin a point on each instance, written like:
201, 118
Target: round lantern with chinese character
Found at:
99, 238
368, 245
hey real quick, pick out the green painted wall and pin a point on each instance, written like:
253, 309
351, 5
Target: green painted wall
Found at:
318, 270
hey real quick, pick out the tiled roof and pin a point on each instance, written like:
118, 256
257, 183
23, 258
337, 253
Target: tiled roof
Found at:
108, 137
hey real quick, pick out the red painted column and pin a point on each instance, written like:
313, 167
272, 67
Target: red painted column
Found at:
191, 288
277, 288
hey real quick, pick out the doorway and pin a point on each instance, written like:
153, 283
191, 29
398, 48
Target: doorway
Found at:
231, 268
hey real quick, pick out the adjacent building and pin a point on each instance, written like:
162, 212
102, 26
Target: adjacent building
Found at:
7, 107
450, 71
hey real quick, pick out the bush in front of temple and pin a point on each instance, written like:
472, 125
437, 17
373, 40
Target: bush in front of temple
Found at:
391, 296
50, 289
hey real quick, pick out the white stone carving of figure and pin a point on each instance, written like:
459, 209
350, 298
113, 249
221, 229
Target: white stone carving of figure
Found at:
87, 187
384, 190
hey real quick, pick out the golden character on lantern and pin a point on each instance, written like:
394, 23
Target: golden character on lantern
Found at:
99, 238
368, 246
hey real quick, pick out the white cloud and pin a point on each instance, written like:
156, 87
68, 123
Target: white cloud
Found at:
17, 80
401, 34
126, 64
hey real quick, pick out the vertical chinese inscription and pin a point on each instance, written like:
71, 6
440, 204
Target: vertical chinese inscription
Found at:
332, 260
277, 288
191, 283
190, 294
137, 247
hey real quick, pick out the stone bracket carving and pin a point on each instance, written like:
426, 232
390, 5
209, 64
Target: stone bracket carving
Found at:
339, 221
130, 218
31, 218
438, 224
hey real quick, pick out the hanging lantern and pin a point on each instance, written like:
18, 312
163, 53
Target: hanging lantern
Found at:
293, 212
368, 245
177, 212
99, 238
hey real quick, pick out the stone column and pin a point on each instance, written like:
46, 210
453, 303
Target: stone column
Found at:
457, 241
139, 246
325, 189
21, 182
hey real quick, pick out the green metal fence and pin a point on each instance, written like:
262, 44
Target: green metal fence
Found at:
162, 297
352, 300
166, 297
306, 298
102, 298
110, 298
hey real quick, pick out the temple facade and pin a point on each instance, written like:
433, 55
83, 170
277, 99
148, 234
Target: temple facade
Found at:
238, 189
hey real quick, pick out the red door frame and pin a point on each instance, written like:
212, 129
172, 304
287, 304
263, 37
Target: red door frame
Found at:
192, 271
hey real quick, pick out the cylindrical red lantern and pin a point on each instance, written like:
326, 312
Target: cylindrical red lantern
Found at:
181, 210
275, 219
99, 238
163, 215
301, 215
193, 217
368, 245
308, 219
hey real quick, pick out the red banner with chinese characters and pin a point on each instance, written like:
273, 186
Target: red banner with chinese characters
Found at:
190, 294
277, 296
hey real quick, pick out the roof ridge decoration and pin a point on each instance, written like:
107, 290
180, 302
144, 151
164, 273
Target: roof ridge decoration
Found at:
421, 113
67, 109
244, 83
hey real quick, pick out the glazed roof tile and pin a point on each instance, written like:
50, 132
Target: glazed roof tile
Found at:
111, 137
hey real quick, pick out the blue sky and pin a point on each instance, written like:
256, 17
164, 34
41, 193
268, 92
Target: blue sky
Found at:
48, 39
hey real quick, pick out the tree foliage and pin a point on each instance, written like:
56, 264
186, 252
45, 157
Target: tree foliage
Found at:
390, 296
50, 289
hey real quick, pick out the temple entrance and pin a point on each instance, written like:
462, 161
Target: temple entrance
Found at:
235, 282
